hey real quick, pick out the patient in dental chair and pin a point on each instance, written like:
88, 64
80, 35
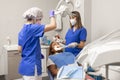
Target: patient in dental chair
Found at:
59, 60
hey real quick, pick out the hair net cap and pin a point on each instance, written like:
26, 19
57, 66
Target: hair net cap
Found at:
33, 13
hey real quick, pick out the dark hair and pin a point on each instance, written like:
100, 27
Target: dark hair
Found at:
51, 52
29, 19
78, 18
51, 49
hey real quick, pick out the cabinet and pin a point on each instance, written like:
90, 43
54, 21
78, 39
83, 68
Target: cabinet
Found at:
13, 63
11, 58
45, 52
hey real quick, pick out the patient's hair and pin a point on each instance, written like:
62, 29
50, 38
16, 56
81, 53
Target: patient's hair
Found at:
52, 51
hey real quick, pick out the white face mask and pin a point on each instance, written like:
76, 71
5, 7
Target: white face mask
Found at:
73, 22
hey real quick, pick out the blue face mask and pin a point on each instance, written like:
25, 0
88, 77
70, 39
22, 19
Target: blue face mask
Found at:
73, 22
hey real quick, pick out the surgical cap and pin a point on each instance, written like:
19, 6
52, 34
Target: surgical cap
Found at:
33, 13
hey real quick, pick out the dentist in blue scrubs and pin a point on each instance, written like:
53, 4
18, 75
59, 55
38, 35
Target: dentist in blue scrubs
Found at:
29, 43
76, 35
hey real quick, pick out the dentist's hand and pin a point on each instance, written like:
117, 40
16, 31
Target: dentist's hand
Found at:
51, 13
73, 44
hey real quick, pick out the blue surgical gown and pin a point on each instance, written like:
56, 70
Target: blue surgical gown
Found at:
75, 36
28, 38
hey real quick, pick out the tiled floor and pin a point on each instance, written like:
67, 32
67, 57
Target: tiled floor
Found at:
44, 78
3, 78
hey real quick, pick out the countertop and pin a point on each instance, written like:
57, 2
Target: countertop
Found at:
14, 47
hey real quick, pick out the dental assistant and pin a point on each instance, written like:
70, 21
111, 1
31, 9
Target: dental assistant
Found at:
29, 43
76, 35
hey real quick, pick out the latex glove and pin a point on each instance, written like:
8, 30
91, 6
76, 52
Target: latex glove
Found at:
51, 13
58, 40
73, 44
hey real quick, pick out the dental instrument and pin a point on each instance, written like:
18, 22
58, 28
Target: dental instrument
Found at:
63, 7
71, 45
59, 48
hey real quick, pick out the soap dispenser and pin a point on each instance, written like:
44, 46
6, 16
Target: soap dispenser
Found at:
8, 40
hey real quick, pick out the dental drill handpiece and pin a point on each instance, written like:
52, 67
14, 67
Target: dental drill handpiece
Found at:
63, 47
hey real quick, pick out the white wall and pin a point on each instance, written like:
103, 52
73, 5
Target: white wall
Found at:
105, 17
87, 18
11, 19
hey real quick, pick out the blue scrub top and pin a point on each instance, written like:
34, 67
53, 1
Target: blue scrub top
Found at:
28, 38
75, 36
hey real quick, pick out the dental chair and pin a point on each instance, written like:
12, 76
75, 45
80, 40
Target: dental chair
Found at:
105, 51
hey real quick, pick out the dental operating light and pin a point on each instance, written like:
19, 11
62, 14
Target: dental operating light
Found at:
64, 7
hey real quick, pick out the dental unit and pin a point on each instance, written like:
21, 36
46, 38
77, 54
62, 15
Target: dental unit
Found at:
105, 51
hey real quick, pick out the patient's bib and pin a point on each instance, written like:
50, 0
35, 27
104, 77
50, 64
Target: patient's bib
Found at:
62, 59
71, 72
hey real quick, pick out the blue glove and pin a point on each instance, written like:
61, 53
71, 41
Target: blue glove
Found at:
51, 13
